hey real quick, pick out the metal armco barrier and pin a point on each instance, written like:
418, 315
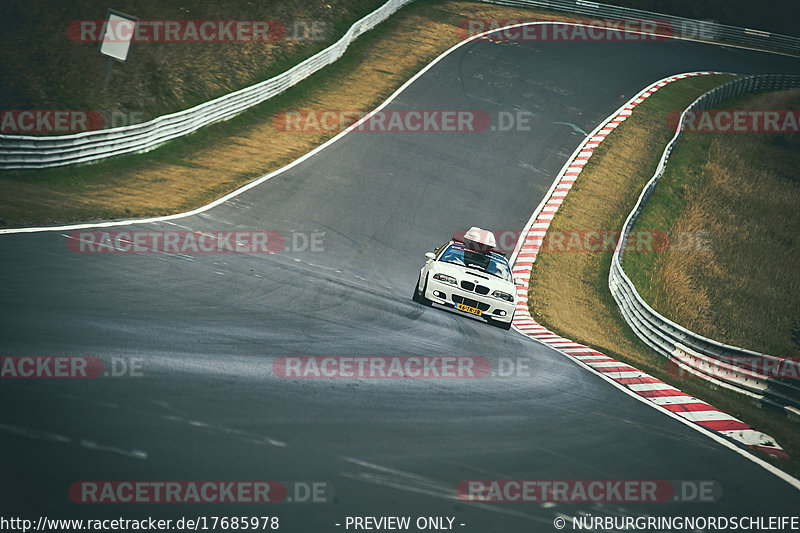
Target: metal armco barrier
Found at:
700, 30
29, 152
772, 380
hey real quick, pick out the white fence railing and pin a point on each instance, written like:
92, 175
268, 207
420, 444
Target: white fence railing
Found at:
28, 152
773, 380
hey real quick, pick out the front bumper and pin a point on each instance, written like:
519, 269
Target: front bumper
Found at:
451, 295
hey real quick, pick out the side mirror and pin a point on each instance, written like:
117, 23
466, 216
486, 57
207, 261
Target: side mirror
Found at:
520, 281
430, 256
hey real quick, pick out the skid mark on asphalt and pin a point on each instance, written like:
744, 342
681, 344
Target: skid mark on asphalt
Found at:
246, 436
573, 126
92, 445
39, 434
178, 417
410, 482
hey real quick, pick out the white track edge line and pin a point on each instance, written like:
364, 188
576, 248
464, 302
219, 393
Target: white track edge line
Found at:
709, 433
778, 472
705, 431
258, 181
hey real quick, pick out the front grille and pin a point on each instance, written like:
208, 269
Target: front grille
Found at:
470, 302
469, 286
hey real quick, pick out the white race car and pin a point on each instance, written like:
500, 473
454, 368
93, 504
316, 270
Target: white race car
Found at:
468, 275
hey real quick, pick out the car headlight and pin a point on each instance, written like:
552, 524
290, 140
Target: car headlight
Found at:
503, 296
447, 279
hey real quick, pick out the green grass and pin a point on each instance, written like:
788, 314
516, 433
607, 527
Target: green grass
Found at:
742, 191
569, 291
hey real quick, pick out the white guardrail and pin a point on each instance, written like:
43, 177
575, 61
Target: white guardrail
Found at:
772, 380
31, 152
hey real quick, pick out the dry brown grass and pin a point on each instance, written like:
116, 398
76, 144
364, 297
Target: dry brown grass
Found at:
53, 71
569, 291
249, 147
743, 189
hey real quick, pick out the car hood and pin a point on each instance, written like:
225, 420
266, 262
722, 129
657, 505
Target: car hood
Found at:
476, 276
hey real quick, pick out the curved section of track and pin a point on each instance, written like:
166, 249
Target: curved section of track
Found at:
208, 327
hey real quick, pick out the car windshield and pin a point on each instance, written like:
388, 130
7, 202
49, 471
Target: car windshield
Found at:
491, 264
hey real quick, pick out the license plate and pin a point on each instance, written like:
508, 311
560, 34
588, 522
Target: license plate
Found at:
468, 309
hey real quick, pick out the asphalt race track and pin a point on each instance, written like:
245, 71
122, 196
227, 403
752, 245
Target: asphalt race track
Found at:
206, 329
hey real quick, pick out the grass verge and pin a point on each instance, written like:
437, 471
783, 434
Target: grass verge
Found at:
201, 167
569, 291
740, 191
57, 68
